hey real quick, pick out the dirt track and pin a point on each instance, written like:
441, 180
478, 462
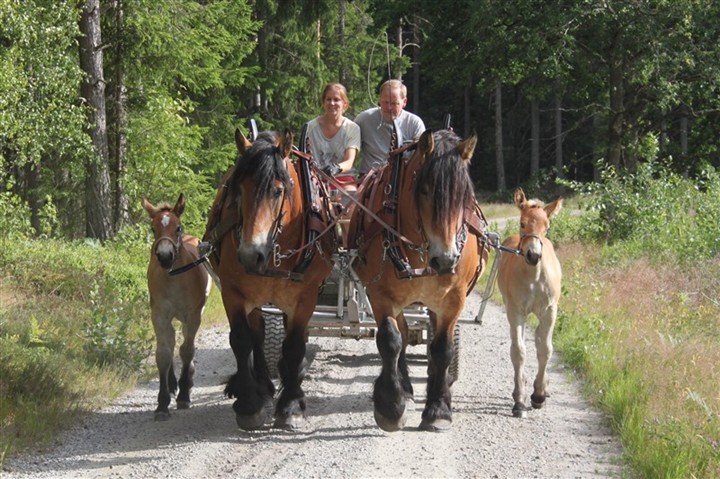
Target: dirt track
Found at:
566, 439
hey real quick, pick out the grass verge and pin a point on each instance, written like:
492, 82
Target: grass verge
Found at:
646, 339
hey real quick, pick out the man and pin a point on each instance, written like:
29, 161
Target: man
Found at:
376, 126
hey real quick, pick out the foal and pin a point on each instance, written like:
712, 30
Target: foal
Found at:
530, 283
181, 297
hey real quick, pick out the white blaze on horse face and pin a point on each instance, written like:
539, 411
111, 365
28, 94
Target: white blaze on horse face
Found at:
165, 220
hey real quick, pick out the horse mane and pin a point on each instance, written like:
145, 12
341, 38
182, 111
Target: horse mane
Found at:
446, 173
264, 163
164, 206
534, 203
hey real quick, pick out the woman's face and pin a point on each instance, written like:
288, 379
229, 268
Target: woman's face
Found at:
333, 103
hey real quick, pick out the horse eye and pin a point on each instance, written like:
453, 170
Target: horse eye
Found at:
277, 192
522, 225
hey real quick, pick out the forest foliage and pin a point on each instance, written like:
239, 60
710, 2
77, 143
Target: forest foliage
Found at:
578, 83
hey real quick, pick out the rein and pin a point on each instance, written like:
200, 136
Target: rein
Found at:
473, 220
315, 226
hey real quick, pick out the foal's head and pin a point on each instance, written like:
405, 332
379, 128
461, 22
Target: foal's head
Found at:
263, 188
535, 219
166, 226
442, 190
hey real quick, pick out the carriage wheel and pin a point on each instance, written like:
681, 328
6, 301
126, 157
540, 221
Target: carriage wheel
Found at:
274, 336
454, 368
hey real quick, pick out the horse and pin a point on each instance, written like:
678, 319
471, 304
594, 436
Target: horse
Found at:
180, 297
419, 234
273, 239
530, 283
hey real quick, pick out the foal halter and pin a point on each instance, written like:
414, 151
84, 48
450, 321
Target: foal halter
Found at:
177, 243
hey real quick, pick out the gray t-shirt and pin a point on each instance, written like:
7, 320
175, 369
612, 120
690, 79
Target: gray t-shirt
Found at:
332, 150
376, 134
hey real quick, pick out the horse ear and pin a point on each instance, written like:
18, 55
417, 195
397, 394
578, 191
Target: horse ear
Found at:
242, 143
467, 147
179, 205
520, 198
426, 143
554, 208
149, 207
286, 143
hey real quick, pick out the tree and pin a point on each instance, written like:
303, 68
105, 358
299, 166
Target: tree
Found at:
98, 198
43, 145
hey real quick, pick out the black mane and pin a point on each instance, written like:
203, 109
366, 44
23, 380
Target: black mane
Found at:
264, 163
447, 176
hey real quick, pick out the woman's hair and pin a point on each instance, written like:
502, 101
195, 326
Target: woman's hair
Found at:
340, 89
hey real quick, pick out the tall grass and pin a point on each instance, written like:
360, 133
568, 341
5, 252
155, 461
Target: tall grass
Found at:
75, 330
639, 315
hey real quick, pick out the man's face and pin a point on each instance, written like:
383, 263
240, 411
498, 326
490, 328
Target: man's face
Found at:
391, 103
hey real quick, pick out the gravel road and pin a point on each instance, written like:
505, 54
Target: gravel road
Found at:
566, 439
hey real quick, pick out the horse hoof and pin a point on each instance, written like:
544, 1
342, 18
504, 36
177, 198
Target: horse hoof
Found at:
183, 404
519, 410
390, 425
162, 415
436, 425
252, 422
293, 422
537, 402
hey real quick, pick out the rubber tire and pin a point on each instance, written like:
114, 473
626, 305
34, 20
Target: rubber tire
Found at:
274, 336
454, 368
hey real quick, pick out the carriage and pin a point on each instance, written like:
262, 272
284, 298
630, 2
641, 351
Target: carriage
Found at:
414, 249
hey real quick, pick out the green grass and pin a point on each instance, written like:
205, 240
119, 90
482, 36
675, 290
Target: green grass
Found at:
650, 359
75, 331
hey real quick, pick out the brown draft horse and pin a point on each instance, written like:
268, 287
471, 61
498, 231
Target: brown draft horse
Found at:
530, 283
423, 242
263, 254
180, 297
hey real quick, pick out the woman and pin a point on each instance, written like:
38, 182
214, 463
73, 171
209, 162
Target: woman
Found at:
334, 140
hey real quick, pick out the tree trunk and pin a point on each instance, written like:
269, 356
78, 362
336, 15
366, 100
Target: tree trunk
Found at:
597, 147
467, 100
399, 44
342, 74
616, 118
121, 120
499, 159
416, 65
535, 139
98, 200
558, 135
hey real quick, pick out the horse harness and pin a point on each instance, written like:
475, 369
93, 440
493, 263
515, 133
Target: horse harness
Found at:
177, 244
379, 192
315, 225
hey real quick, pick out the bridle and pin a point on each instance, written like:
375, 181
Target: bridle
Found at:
176, 243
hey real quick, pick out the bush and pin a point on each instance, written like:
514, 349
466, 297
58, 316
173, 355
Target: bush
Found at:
654, 210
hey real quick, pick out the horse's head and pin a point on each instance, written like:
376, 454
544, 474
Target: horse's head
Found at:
442, 190
535, 219
166, 226
263, 188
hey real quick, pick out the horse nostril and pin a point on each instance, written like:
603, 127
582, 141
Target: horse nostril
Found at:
260, 261
165, 260
532, 258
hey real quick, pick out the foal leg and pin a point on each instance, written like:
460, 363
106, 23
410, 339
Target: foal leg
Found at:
389, 396
544, 347
437, 415
517, 355
164, 351
187, 354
